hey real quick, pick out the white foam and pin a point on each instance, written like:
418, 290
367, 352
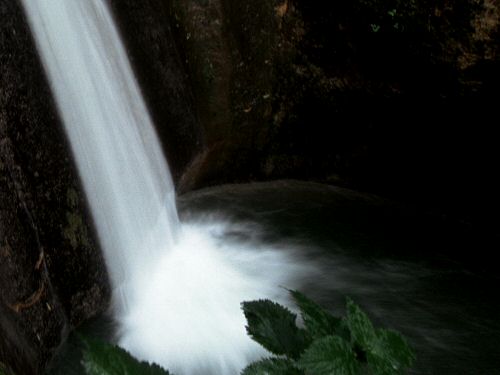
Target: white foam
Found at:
186, 311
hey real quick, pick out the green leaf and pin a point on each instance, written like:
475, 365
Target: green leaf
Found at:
273, 326
272, 366
390, 354
360, 326
318, 321
387, 352
329, 356
101, 358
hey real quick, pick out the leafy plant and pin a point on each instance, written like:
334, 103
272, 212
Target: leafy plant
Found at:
327, 345
273, 326
100, 358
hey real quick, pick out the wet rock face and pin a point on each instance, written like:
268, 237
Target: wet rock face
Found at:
230, 50
389, 97
51, 273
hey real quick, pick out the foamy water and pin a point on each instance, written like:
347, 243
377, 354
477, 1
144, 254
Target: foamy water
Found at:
186, 312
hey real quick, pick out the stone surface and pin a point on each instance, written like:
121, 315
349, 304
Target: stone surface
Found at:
393, 98
52, 275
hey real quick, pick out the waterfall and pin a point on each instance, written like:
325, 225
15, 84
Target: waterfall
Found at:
177, 288
119, 159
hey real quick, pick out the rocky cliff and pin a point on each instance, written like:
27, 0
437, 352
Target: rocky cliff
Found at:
51, 272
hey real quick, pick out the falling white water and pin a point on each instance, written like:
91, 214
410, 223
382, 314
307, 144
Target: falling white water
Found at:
177, 289
119, 159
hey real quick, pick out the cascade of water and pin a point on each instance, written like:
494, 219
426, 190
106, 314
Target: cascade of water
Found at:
119, 159
177, 288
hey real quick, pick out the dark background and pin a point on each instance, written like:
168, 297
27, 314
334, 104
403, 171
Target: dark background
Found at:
390, 97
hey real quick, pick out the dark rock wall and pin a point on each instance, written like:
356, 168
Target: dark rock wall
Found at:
392, 97
51, 273
229, 50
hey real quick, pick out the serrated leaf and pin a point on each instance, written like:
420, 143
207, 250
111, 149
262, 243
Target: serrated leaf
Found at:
390, 354
273, 326
329, 356
272, 366
318, 321
360, 326
100, 358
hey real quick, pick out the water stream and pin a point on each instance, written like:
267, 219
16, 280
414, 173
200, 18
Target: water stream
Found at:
119, 159
176, 289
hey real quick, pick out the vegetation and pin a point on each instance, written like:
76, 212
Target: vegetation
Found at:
324, 345
100, 358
